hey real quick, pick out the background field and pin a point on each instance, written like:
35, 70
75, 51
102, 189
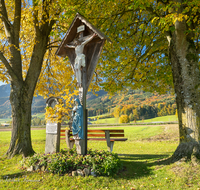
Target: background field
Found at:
169, 118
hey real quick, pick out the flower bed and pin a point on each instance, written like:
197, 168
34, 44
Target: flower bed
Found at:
103, 163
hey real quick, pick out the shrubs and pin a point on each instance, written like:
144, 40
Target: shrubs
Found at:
124, 119
102, 162
131, 118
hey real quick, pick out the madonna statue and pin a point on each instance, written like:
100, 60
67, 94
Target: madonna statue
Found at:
77, 124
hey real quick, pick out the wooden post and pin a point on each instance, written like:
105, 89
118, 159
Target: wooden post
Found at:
84, 83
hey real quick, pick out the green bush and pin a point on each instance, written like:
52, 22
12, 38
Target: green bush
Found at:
124, 119
36, 121
102, 162
131, 118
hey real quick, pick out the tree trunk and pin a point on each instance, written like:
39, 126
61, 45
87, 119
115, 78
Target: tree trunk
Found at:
21, 100
21, 97
23, 87
185, 69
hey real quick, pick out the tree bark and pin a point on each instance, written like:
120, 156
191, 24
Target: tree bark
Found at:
21, 100
21, 97
185, 69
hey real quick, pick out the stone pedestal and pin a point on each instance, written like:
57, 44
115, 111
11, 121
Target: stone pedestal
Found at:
80, 146
52, 137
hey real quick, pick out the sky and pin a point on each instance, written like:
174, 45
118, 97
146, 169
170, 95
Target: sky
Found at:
1, 83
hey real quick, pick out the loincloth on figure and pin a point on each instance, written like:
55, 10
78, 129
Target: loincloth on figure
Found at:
79, 61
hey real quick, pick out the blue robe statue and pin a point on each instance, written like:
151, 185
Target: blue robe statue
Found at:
77, 124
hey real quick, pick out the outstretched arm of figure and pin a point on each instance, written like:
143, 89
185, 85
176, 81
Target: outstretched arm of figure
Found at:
69, 46
89, 39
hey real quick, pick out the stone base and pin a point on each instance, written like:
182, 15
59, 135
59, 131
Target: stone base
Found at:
79, 146
52, 143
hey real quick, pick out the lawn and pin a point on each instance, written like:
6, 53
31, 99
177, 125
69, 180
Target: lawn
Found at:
142, 156
106, 121
168, 118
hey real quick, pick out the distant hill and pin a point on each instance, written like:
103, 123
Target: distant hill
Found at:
5, 90
145, 103
38, 104
142, 105
91, 96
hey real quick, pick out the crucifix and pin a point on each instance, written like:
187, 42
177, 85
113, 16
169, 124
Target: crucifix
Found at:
78, 45
82, 44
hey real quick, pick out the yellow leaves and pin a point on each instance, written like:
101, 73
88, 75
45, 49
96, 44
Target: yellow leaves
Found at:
178, 17
154, 19
63, 108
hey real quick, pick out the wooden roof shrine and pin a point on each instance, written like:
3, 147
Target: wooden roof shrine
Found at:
92, 50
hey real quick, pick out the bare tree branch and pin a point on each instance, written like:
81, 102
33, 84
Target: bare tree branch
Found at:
17, 20
35, 16
49, 47
4, 18
7, 65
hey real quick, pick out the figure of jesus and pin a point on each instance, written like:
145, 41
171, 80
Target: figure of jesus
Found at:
80, 57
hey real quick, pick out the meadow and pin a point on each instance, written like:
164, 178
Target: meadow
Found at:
143, 156
168, 118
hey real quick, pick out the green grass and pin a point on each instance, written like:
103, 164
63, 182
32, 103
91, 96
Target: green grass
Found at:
99, 115
168, 118
140, 156
39, 115
107, 121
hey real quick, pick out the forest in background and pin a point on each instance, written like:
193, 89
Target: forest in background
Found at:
137, 104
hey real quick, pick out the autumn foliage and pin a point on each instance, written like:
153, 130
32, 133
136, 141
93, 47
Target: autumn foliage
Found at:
124, 119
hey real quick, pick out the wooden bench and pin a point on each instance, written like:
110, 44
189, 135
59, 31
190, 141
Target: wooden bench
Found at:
108, 135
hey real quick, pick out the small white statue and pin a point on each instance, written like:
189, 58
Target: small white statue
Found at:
80, 57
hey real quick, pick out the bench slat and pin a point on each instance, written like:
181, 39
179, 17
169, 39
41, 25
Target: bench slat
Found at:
95, 135
99, 139
102, 139
103, 131
116, 135
118, 139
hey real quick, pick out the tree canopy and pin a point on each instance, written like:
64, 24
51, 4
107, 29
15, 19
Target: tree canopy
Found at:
141, 33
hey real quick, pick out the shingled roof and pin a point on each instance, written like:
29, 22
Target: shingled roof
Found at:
72, 33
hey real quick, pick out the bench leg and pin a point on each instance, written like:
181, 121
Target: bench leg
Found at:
110, 144
110, 148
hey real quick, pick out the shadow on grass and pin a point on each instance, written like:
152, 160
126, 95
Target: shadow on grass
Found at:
140, 165
13, 176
